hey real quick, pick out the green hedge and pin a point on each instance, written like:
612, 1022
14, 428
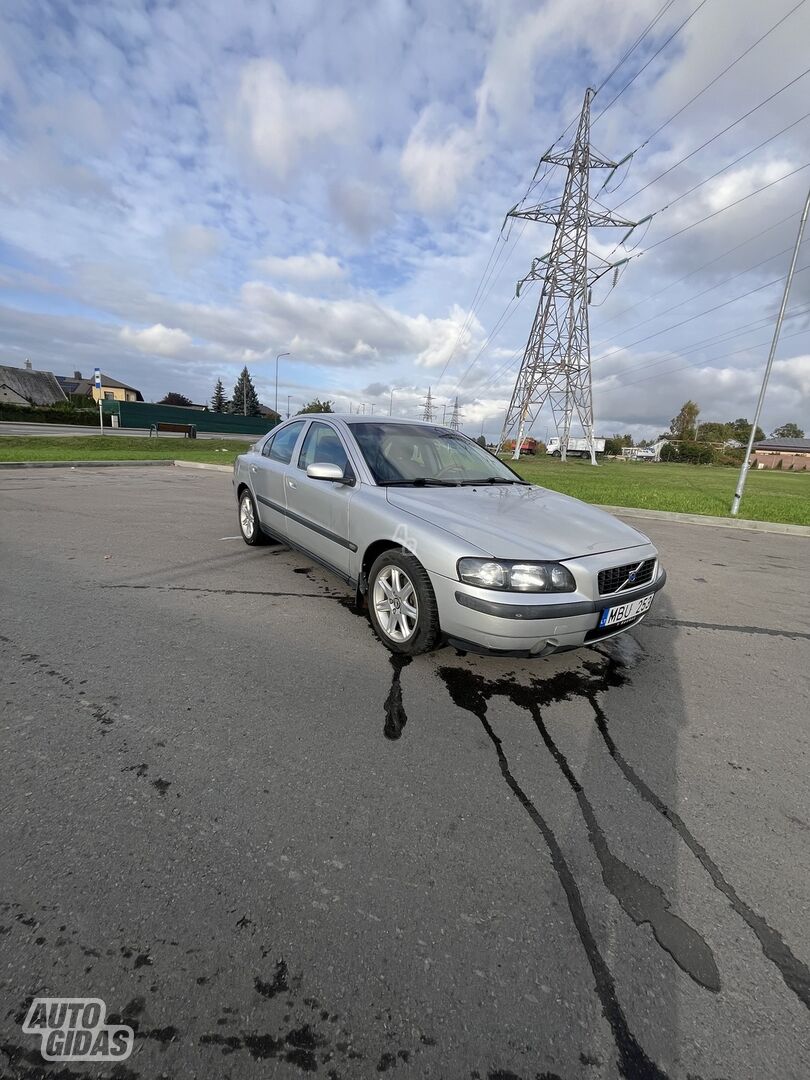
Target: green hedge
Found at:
55, 414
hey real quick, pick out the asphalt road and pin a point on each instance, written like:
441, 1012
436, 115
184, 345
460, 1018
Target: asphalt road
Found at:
11, 428
226, 812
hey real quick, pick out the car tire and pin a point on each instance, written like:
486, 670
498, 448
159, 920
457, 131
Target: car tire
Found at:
249, 526
397, 575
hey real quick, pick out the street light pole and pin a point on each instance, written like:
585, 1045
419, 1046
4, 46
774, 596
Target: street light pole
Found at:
277, 360
288, 405
738, 494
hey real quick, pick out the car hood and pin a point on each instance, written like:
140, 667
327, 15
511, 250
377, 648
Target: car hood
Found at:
518, 522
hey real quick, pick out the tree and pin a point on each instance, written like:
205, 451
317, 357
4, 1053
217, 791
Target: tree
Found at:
175, 399
712, 432
316, 405
684, 425
219, 403
245, 400
788, 431
741, 429
481, 440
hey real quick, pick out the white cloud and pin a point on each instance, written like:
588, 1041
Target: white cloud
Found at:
276, 121
158, 340
356, 331
435, 163
189, 246
304, 268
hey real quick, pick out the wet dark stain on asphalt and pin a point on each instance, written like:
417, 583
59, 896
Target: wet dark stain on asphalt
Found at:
395, 716
795, 974
643, 901
639, 898
470, 692
277, 985
793, 635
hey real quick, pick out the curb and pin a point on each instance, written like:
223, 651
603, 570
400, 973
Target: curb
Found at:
202, 465
705, 519
82, 464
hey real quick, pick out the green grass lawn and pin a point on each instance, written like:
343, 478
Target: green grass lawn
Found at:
688, 489
118, 448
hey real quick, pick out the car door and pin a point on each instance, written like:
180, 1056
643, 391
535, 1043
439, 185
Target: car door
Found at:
267, 476
318, 510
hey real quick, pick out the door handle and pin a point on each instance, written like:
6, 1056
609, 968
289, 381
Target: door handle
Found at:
254, 468
291, 483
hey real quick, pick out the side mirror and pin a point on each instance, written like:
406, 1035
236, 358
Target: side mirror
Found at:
325, 470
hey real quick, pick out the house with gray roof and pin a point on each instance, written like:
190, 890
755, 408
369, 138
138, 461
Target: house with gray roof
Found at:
24, 386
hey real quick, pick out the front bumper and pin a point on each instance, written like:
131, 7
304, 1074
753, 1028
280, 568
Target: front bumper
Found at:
474, 620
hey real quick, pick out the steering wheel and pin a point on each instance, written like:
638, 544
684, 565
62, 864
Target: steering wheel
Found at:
443, 473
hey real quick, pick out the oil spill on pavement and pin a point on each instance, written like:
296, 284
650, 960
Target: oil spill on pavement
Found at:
225, 592
395, 716
793, 635
795, 974
643, 901
633, 1062
279, 984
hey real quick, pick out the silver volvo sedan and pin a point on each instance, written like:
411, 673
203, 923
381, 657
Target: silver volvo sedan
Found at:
441, 539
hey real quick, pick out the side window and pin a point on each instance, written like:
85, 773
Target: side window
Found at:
281, 446
323, 445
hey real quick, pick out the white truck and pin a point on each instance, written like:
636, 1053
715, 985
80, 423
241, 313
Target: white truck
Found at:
575, 448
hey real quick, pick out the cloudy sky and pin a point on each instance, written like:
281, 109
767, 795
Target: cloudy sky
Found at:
189, 186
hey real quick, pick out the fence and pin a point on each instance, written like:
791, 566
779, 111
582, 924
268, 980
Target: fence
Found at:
141, 414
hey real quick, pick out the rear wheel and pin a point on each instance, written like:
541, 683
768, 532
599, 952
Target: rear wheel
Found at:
401, 604
249, 521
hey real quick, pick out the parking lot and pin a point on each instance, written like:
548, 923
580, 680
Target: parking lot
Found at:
273, 850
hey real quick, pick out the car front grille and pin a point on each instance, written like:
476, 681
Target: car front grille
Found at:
617, 578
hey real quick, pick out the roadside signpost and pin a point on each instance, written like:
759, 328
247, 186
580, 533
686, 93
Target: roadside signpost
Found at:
97, 381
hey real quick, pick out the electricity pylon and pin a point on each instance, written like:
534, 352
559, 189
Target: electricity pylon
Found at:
427, 409
455, 416
556, 365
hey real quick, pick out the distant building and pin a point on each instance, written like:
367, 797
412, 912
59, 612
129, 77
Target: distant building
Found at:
781, 454
23, 386
268, 413
111, 389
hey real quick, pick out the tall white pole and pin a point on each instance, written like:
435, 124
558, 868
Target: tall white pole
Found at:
738, 494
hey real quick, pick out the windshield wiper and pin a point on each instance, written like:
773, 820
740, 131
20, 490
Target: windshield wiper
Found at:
492, 480
420, 481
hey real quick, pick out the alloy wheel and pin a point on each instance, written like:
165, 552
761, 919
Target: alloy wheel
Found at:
247, 519
395, 603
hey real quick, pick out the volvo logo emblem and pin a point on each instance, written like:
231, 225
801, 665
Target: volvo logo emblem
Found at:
631, 576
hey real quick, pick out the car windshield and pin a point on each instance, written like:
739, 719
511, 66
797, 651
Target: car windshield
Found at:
417, 454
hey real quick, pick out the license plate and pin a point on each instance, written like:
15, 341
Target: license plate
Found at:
612, 616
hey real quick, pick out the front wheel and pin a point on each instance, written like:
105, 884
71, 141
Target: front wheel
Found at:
402, 606
249, 521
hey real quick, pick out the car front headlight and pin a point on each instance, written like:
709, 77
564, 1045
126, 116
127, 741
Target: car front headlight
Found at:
516, 576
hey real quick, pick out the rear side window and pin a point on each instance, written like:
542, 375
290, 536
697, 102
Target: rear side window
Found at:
323, 445
281, 446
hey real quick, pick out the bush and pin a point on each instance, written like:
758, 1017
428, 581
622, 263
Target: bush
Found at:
64, 413
689, 453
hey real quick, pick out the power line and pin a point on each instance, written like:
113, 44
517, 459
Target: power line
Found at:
697, 296
718, 135
703, 266
650, 25
728, 206
717, 78
730, 165
718, 339
627, 85
711, 360
700, 314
